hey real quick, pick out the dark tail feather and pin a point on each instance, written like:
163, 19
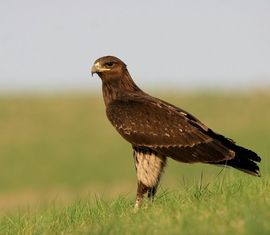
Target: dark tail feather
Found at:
245, 160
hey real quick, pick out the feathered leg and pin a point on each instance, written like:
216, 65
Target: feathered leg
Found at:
141, 190
149, 166
152, 192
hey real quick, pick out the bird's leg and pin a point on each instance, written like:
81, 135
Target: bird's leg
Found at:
149, 167
152, 192
141, 190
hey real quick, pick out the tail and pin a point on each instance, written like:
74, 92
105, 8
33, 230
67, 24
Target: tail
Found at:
244, 160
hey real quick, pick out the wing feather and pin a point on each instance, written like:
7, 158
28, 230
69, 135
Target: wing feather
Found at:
152, 123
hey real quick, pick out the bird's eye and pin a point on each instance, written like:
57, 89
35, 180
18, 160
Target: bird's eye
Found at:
109, 64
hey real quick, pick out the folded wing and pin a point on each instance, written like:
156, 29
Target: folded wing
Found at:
148, 122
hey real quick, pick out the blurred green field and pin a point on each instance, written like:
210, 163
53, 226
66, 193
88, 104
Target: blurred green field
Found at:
55, 150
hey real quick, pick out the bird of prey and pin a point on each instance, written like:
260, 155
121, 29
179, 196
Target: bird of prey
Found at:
157, 130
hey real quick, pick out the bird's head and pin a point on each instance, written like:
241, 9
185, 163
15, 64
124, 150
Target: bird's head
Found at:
108, 68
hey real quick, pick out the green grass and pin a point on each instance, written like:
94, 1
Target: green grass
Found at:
234, 205
64, 169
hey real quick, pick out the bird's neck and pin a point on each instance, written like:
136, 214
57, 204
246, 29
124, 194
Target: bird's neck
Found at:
115, 88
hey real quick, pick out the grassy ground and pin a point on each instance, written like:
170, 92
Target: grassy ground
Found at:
65, 170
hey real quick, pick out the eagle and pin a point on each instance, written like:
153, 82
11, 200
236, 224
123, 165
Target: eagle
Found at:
157, 130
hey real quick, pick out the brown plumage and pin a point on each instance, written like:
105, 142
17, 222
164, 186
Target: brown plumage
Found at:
157, 130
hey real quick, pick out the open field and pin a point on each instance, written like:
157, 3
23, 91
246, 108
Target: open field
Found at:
64, 169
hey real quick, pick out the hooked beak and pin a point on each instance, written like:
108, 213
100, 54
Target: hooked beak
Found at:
97, 68
93, 70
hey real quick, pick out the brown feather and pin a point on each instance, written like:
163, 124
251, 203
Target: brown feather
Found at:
144, 122
153, 124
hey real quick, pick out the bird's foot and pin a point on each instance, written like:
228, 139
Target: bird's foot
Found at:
138, 204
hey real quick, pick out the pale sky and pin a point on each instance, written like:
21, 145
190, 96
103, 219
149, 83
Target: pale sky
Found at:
51, 45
